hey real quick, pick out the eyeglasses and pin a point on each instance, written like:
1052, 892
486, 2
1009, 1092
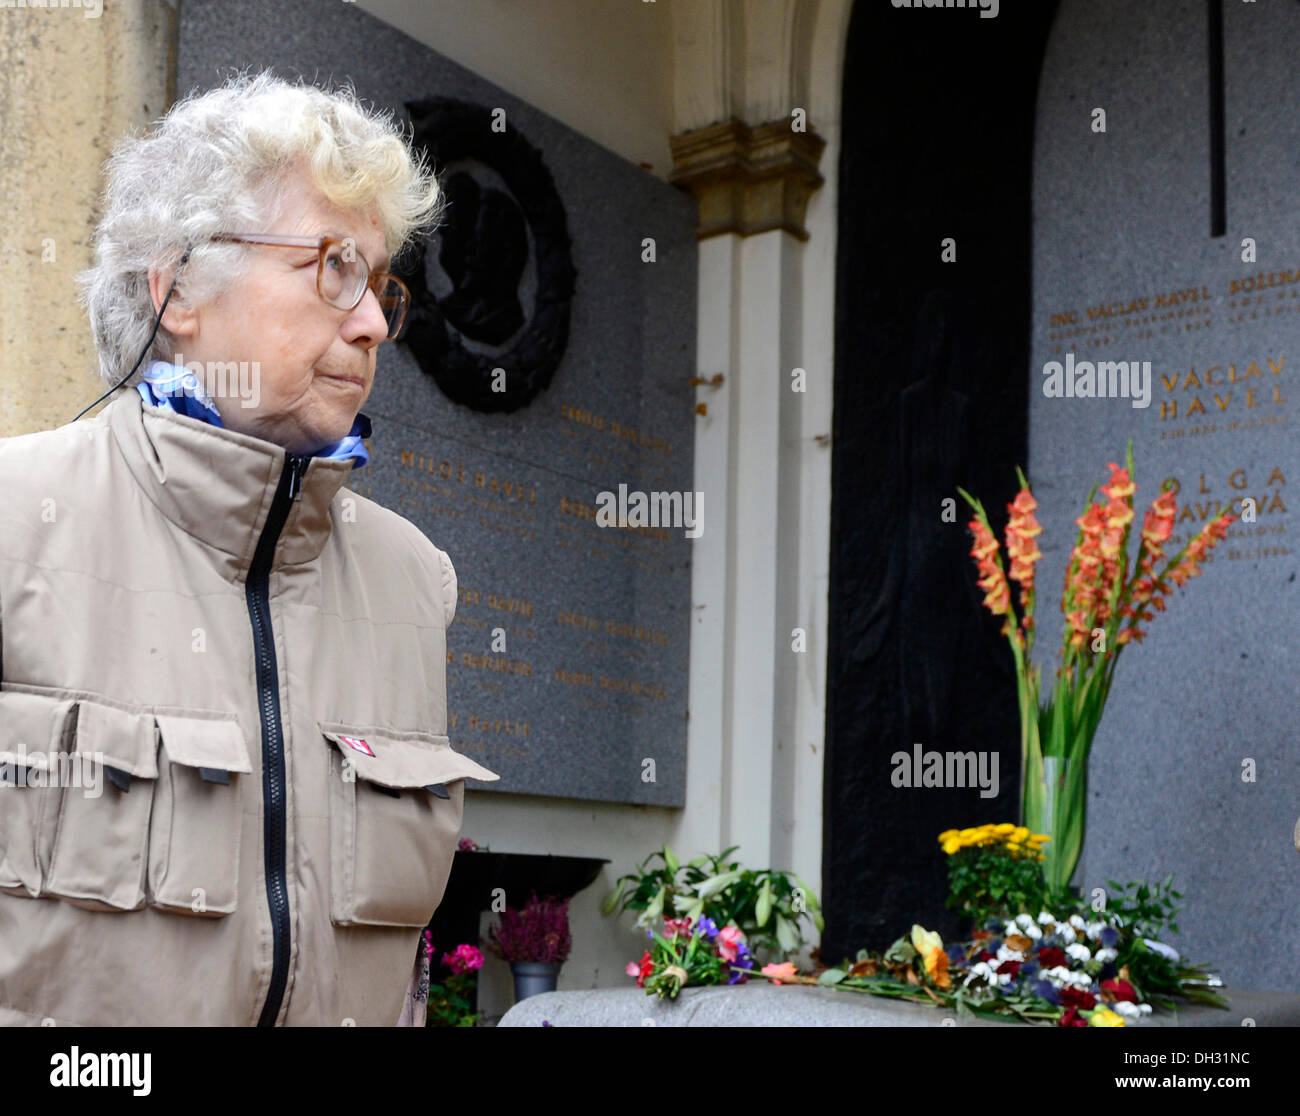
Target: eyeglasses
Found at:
342, 274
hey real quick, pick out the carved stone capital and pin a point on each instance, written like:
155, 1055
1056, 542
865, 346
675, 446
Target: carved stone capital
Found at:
748, 180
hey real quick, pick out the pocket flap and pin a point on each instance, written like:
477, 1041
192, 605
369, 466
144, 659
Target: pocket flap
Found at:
127, 741
394, 762
31, 727
213, 745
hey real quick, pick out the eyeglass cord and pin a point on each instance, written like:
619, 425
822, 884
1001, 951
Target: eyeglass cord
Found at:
149, 345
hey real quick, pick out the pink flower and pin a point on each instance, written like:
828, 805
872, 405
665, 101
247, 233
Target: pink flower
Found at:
677, 928
641, 969
729, 937
784, 969
464, 959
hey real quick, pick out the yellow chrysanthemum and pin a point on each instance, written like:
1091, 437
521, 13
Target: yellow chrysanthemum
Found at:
1005, 827
1104, 1017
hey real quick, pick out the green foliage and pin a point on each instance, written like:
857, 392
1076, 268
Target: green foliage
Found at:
449, 1005
1146, 909
991, 881
767, 906
688, 963
1143, 910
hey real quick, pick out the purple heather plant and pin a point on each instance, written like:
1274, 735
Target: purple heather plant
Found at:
538, 932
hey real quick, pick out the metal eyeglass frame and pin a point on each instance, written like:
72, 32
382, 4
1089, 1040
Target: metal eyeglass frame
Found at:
324, 244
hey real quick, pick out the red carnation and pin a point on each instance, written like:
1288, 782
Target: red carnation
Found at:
1071, 1018
1012, 967
1117, 991
985, 955
1051, 957
1078, 998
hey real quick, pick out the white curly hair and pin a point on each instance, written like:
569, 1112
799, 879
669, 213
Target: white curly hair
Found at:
221, 161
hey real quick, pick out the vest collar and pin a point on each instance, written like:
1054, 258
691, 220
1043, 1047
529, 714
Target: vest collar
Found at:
218, 484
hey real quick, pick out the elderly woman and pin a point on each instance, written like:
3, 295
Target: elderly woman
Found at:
228, 794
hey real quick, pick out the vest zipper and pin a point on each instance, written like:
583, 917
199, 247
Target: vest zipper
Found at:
274, 809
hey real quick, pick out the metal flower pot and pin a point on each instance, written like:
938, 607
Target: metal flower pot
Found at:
532, 977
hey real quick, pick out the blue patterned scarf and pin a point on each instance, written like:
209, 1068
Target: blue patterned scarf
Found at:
174, 387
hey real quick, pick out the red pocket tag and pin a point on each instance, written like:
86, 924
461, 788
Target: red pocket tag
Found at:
357, 745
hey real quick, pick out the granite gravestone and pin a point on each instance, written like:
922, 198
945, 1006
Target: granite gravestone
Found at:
1171, 237
567, 661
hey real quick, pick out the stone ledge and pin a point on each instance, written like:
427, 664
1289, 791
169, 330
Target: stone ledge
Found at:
766, 1005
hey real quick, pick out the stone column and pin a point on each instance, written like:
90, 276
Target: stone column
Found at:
73, 79
752, 185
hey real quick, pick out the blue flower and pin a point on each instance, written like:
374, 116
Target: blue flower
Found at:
649, 933
1029, 969
956, 954
744, 960
1047, 991
1109, 937
709, 927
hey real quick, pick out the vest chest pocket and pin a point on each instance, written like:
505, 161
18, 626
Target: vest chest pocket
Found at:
102, 836
395, 804
33, 730
119, 808
198, 815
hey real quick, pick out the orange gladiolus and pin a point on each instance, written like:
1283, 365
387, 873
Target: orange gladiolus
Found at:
997, 594
1022, 531
1121, 487
1101, 590
1157, 526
